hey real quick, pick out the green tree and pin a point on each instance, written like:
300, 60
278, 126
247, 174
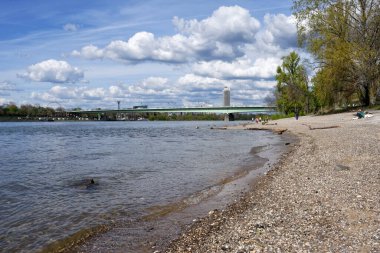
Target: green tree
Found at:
292, 85
344, 37
11, 109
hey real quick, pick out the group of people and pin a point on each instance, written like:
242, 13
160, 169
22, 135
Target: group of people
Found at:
259, 119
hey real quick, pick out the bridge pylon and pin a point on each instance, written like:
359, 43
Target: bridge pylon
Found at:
229, 117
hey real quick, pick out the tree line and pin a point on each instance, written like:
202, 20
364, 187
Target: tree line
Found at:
343, 37
30, 111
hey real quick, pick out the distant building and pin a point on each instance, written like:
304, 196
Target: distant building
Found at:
226, 96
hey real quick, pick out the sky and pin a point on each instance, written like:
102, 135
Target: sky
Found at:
160, 53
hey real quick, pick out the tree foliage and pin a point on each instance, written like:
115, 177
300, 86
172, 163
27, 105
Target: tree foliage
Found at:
292, 85
29, 111
344, 38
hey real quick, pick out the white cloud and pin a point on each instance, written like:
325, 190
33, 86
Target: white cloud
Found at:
63, 92
89, 52
8, 86
45, 96
53, 71
242, 68
230, 47
217, 37
117, 91
94, 94
4, 101
70, 27
266, 84
227, 24
152, 89
192, 82
155, 83
187, 90
279, 30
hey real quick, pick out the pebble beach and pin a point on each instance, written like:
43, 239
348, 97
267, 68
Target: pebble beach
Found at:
322, 196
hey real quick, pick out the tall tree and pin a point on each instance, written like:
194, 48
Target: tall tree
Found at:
344, 37
292, 85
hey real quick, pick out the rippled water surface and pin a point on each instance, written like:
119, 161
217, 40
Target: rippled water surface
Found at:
46, 168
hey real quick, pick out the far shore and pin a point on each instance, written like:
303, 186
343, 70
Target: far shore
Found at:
323, 196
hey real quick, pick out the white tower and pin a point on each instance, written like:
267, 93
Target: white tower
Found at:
226, 96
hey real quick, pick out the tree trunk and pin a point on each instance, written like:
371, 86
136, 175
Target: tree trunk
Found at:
366, 95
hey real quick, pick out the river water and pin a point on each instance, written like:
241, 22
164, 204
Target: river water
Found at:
46, 194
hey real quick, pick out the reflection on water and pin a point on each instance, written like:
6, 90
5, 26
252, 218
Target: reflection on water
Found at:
46, 171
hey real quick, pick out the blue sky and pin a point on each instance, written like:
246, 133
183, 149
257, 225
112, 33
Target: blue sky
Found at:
161, 53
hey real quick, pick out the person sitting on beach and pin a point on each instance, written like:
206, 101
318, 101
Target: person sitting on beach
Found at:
360, 114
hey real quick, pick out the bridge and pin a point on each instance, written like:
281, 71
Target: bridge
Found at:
227, 110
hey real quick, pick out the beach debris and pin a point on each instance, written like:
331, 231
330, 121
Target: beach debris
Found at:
277, 131
225, 247
219, 128
342, 167
314, 128
280, 131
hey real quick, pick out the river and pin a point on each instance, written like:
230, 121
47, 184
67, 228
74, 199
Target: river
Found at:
46, 170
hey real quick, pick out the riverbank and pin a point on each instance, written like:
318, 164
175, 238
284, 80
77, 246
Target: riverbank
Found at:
323, 196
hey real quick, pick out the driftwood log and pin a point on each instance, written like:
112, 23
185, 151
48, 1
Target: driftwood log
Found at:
277, 131
314, 128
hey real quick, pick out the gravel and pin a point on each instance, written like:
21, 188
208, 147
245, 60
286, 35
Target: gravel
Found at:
323, 195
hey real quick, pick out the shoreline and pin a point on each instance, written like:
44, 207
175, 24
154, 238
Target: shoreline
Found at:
322, 196
162, 224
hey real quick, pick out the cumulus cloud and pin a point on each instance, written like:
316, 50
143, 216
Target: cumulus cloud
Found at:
193, 82
217, 37
279, 30
242, 68
89, 52
226, 24
243, 91
188, 90
265, 84
153, 86
230, 47
60, 93
53, 71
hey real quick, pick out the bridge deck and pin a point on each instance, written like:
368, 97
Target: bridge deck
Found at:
225, 109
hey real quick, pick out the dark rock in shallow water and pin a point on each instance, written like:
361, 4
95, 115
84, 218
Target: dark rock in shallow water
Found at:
84, 184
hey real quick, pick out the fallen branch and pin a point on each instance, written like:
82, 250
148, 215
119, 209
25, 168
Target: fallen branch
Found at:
314, 128
277, 131
218, 128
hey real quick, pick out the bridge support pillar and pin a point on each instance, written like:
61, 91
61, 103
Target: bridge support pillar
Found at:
229, 117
